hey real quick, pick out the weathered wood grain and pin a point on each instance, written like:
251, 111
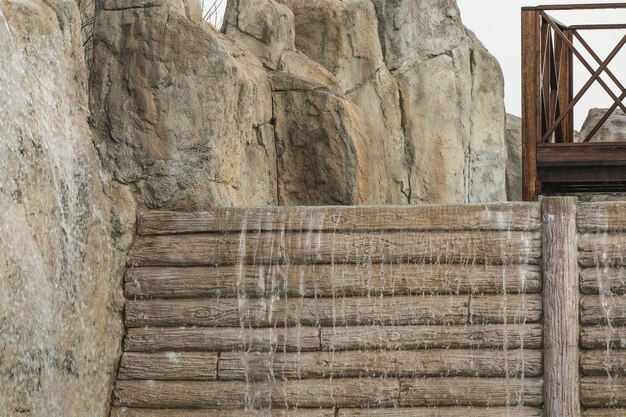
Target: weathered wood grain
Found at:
443, 412
600, 392
597, 337
198, 366
327, 248
330, 280
505, 217
605, 250
605, 412
221, 339
612, 280
190, 412
482, 392
599, 363
344, 311
244, 366
597, 310
561, 308
513, 336
312, 393
602, 217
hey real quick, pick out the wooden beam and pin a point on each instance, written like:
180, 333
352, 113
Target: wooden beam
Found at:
503, 217
198, 366
604, 250
443, 412
602, 217
603, 392
601, 363
531, 104
612, 279
561, 308
336, 248
593, 310
598, 337
191, 412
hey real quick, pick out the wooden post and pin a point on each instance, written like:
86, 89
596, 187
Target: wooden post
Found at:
561, 308
531, 101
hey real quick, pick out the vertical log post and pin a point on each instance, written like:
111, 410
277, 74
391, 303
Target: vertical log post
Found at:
561, 308
566, 88
531, 101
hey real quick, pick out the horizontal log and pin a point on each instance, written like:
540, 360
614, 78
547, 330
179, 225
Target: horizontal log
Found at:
482, 392
605, 412
443, 412
612, 280
221, 339
594, 310
335, 248
312, 393
433, 362
505, 217
190, 412
599, 363
603, 250
600, 392
328, 280
510, 336
200, 366
602, 217
346, 311
598, 337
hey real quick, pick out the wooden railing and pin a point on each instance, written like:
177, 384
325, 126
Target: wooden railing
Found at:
553, 161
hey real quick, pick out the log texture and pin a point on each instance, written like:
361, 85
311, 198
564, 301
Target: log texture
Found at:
347, 311
530, 336
605, 412
312, 393
330, 280
446, 362
602, 217
200, 366
444, 412
327, 248
598, 310
601, 392
504, 217
611, 280
189, 412
604, 250
599, 363
561, 308
598, 337
221, 339
482, 392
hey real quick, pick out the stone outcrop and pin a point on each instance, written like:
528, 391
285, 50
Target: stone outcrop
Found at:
613, 130
60, 327
432, 92
514, 161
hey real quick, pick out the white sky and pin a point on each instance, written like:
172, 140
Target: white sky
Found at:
497, 25
499, 30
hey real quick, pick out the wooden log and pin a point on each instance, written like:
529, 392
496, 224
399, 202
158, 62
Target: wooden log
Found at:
443, 412
190, 412
345, 311
598, 337
511, 336
561, 308
602, 250
601, 363
601, 392
598, 310
329, 248
612, 281
225, 395
221, 339
503, 217
481, 392
330, 280
194, 366
244, 366
605, 412
602, 217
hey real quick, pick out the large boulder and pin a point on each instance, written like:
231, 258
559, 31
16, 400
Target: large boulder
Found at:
514, 161
613, 130
60, 323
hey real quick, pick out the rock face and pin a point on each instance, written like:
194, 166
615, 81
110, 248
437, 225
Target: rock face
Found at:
432, 92
60, 327
613, 130
514, 161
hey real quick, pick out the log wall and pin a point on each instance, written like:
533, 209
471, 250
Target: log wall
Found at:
488, 310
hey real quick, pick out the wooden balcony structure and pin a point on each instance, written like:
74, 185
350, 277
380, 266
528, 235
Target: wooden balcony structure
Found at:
554, 162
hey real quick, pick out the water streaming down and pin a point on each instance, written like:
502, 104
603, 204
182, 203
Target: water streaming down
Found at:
367, 298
